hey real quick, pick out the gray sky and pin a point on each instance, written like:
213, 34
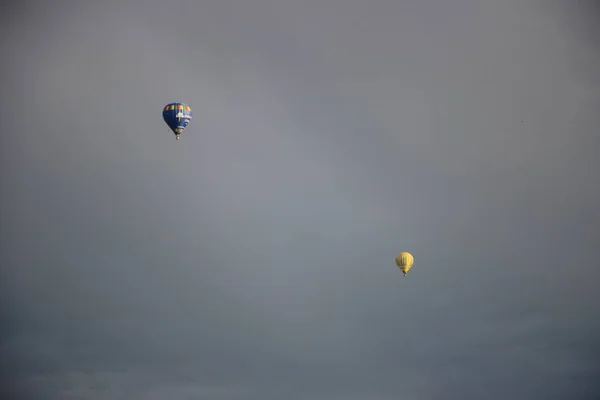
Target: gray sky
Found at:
253, 259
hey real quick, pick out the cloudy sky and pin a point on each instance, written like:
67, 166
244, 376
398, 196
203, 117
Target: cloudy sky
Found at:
253, 259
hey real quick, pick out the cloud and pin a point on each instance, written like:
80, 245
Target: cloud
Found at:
254, 258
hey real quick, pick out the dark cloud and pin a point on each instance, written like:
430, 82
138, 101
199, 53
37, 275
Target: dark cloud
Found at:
254, 258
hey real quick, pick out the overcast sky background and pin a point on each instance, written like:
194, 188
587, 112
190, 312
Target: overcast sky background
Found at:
254, 258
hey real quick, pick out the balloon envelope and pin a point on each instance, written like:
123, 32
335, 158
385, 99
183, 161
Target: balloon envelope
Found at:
177, 116
404, 261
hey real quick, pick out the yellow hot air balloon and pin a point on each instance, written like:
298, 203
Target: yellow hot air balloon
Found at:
404, 261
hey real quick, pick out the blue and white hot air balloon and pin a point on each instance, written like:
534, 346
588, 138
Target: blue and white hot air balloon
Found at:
177, 116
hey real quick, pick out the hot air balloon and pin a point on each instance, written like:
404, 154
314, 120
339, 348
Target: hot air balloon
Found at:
404, 261
177, 116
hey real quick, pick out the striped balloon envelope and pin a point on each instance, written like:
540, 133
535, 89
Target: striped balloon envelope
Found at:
177, 116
